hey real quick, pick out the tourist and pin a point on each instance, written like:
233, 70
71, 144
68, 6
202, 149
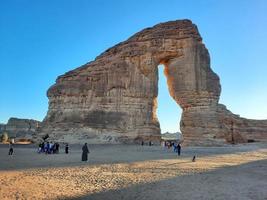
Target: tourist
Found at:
54, 150
85, 152
57, 147
66, 148
142, 143
40, 148
194, 158
46, 147
10, 152
165, 145
43, 147
51, 145
175, 147
179, 149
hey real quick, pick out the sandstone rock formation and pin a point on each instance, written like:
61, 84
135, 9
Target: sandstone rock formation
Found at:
2, 127
114, 97
20, 128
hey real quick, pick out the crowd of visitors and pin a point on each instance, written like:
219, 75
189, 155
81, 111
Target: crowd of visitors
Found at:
150, 143
53, 148
48, 148
175, 145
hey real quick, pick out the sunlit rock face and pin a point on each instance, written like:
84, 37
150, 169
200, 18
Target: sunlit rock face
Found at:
20, 128
113, 98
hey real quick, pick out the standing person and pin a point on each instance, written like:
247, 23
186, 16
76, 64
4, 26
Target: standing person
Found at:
46, 147
67, 148
194, 158
54, 148
10, 152
51, 146
57, 147
43, 147
40, 148
175, 147
85, 152
179, 149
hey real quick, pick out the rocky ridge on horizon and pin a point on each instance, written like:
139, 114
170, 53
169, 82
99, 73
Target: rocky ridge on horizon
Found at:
20, 128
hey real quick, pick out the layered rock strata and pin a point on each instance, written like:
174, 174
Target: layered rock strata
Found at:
20, 128
114, 97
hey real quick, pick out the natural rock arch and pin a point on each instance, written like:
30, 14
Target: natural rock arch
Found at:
113, 98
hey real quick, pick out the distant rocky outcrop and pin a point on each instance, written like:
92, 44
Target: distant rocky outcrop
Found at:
172, 136
114, 97
2, 127
20, 128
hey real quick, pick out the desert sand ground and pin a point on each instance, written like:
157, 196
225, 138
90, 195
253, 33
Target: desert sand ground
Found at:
135, 172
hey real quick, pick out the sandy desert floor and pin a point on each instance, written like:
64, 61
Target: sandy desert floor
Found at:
135, 172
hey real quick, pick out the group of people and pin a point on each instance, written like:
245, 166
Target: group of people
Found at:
150, 143
176, 146
51, 148
48, 148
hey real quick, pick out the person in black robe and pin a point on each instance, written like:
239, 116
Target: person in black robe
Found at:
10, 152
179, 149
66, 149
194, 158
56, 147
85, 152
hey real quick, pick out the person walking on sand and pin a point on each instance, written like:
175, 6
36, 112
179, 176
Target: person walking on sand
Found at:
194, 158
85, 152
11, 150
66, 148
175, 147
46, 147
57, 147
179, 149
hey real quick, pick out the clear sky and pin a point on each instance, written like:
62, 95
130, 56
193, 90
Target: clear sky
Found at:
40, 40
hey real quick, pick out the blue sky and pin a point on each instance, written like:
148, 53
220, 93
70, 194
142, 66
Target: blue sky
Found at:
40, 40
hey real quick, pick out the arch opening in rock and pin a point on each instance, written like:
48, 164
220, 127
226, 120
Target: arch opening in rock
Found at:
168, 111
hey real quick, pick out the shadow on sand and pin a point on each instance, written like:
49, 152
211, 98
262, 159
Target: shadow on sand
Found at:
246, 181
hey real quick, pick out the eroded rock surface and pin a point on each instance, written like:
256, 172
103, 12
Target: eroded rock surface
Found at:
114, 97
20, 128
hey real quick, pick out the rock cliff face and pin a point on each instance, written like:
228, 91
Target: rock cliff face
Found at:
114, 97
20, 128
